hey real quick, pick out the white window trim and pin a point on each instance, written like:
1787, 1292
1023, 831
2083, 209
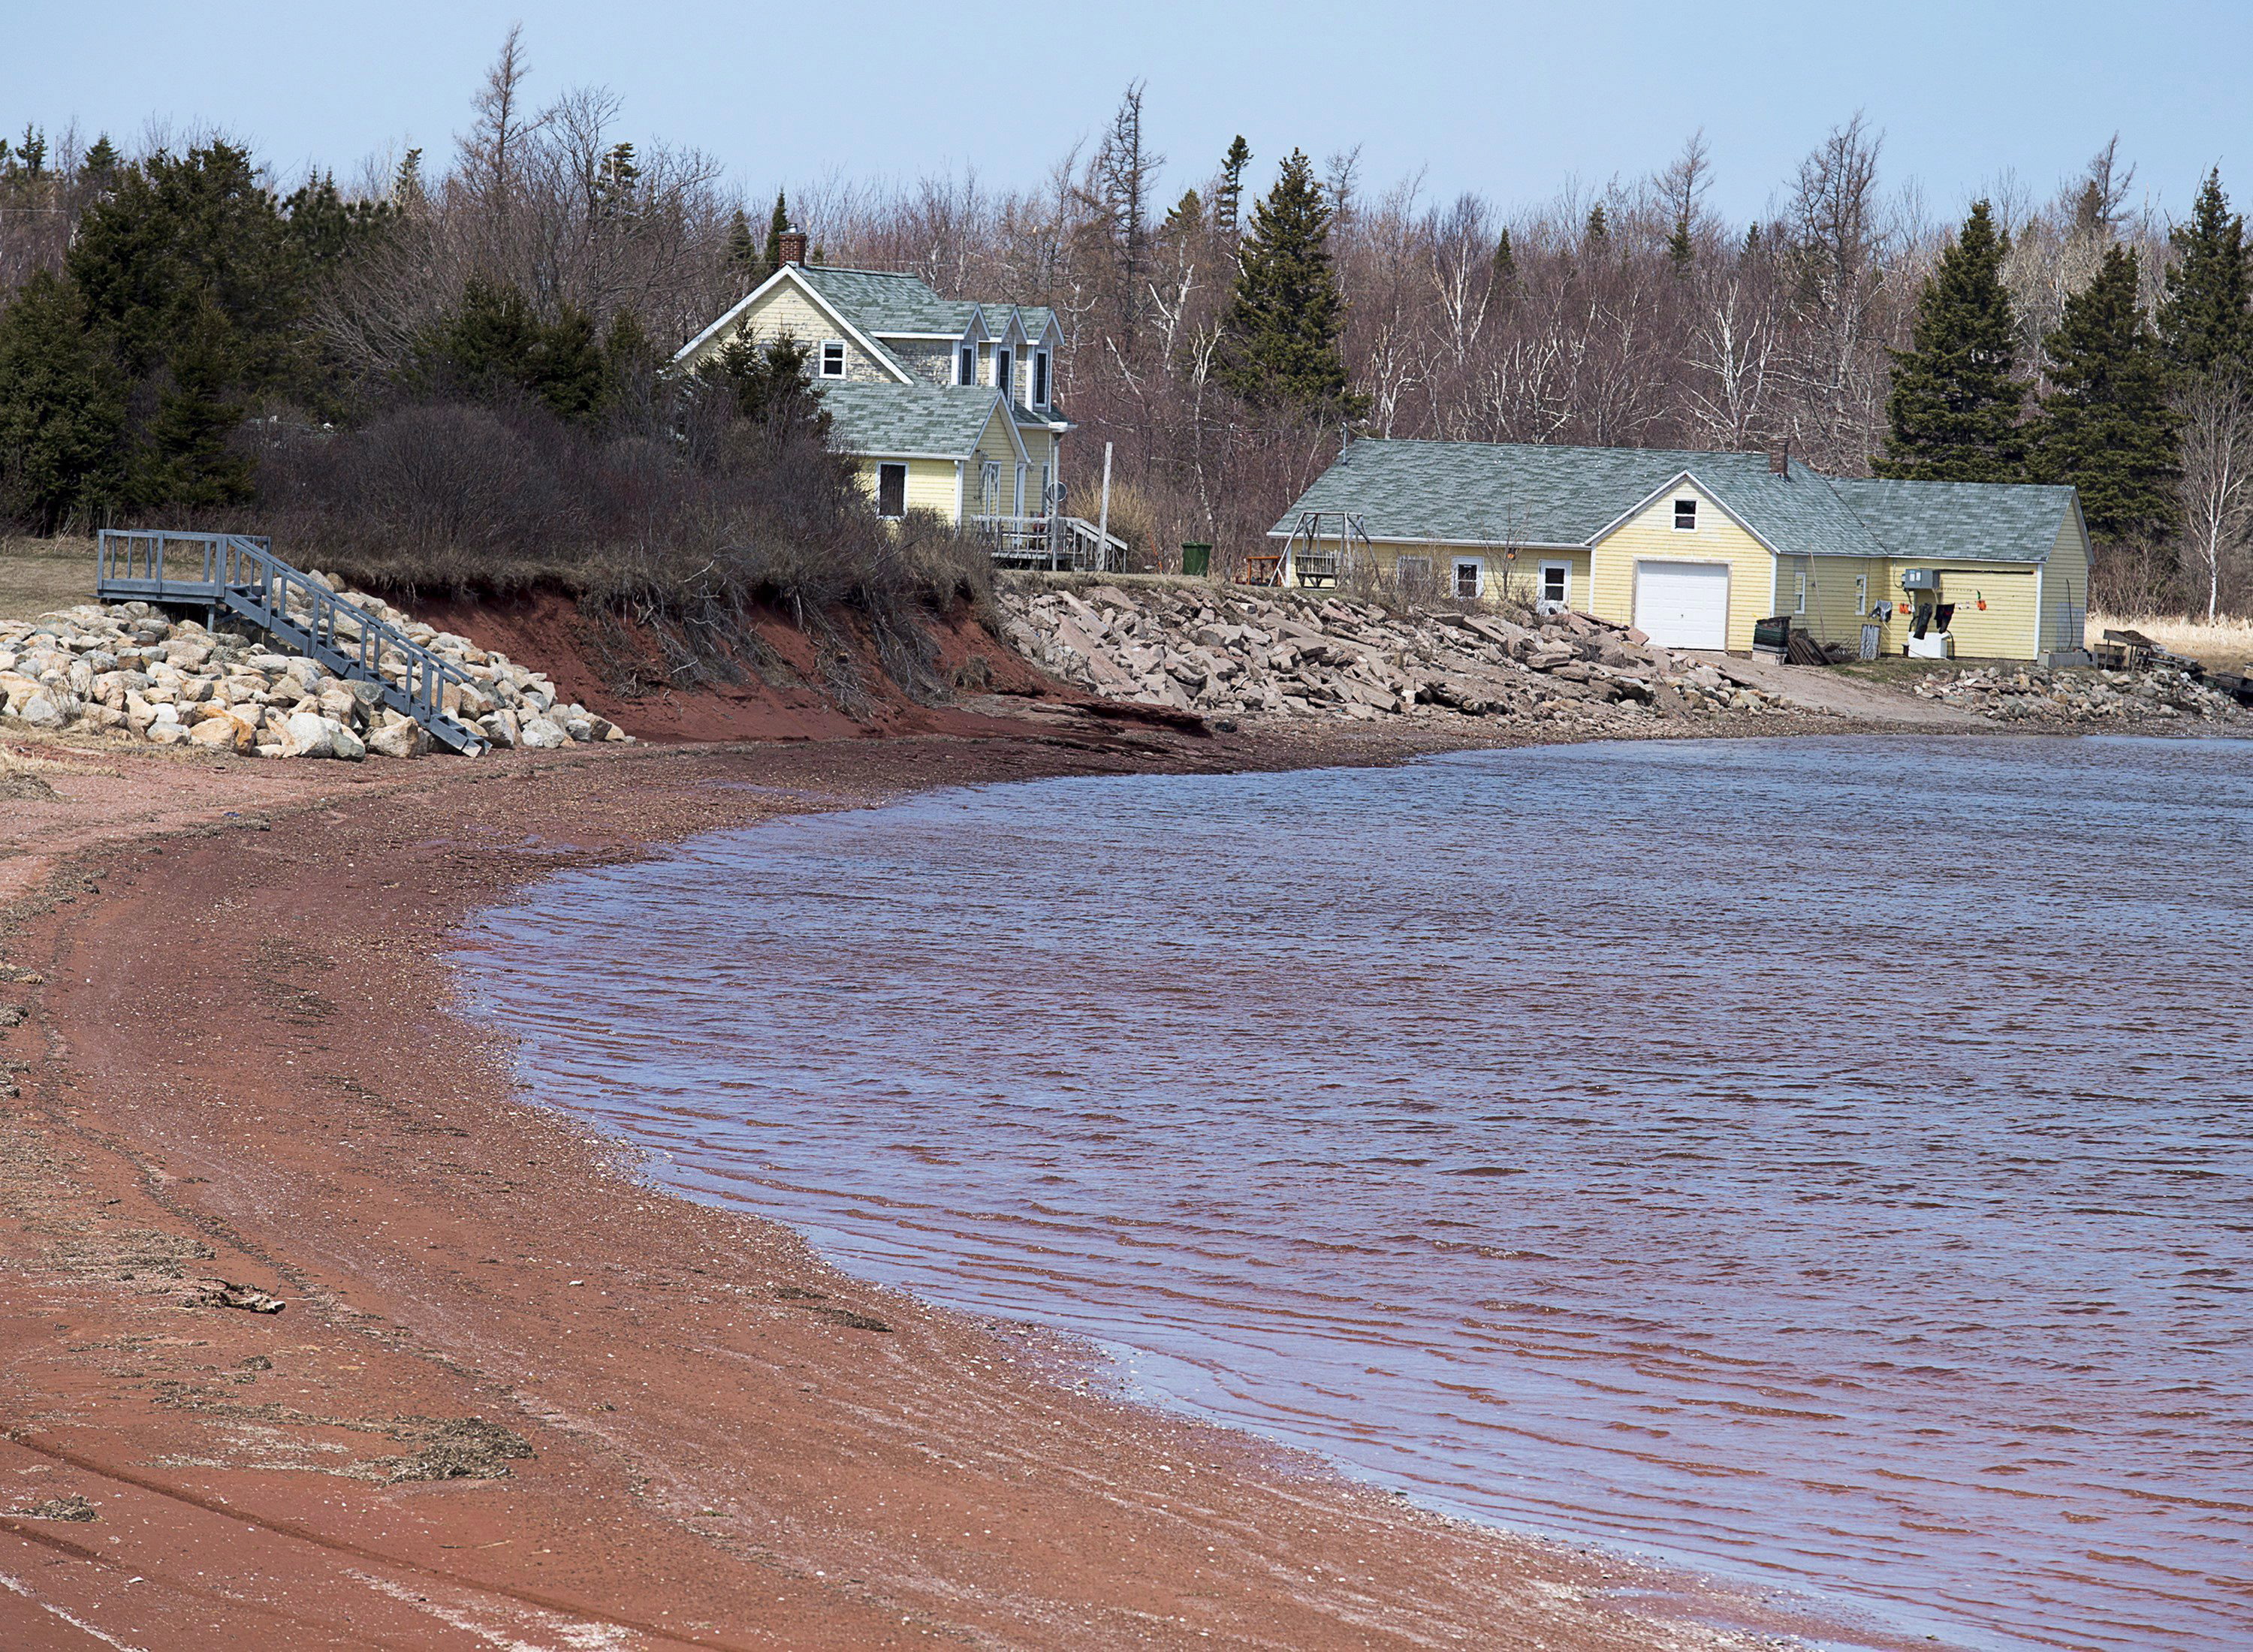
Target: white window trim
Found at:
822, 361
1680, 526
960, 350
1799, 591
1041, 388
1455, 567
1005, 369
1541, 589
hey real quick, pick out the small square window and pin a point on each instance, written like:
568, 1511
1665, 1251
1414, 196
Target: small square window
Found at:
1556, 584
891, 490
1685, 514
1466, 581
833, 359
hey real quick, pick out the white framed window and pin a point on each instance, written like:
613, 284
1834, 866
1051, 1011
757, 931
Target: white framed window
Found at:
1470, 579
1799, 593
1556, 587
1412, 575
1685, 515
1039, 378
1001, 376
891, 490
1862, 595
965, 366
989, 488
832, 358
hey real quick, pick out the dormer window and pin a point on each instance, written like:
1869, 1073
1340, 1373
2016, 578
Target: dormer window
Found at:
965, 366
1685, 515
832, 358
1003, 380
1039, 378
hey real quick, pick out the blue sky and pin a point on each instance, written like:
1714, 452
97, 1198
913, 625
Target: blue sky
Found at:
1512, 100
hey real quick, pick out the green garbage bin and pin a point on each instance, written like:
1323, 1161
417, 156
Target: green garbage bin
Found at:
1196, 560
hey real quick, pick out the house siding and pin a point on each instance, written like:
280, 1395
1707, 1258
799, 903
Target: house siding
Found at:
1651, 536
2065, 579
788, 310
930, 484
2004, 630
930, 360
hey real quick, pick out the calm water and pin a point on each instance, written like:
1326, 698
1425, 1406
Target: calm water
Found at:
1825, 1161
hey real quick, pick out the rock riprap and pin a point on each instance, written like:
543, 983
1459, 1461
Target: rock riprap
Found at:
1227, 652
125, 669
2007, 693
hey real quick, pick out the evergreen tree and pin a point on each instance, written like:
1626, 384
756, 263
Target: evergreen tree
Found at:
1228, 199
1185, 222
777, 223
101, 162
1681, 251
1505, 263
1954, 407
772, 385
492, 347
1600, 228
743, 250
62, 412
1279, 338
186, 459
2107, 428
2203, 319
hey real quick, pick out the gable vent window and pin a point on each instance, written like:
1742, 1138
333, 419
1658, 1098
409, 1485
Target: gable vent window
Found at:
1685, 514
1039, 378
833, 359
891, 490
966, 369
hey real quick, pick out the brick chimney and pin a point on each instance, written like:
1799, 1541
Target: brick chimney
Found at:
793, 245
1779, 458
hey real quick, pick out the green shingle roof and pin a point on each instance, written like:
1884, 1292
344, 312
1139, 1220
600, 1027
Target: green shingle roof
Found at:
940, 420
1475, 492
876, 302
1961, 521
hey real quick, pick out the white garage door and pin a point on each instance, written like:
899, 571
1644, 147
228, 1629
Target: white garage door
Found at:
1683, 604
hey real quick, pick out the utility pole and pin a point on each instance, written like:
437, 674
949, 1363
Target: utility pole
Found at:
1103, 515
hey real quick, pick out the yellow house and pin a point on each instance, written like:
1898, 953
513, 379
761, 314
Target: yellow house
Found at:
1693, 548
947, 405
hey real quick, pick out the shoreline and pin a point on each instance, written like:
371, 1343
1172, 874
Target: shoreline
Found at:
246, 1068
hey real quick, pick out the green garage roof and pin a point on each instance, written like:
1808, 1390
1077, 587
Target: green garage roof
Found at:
1961, 521
1512, 493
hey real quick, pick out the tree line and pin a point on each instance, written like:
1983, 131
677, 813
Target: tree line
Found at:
179, 334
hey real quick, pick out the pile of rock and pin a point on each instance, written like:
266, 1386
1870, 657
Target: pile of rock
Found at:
127, 670
1223, 652
2012, 693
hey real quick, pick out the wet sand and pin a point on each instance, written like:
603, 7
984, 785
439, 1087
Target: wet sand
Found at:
516, 1397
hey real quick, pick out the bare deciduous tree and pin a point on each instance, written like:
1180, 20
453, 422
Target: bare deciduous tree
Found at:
2216, 413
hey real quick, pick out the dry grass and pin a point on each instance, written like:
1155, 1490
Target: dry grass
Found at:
38, 576
2226, 646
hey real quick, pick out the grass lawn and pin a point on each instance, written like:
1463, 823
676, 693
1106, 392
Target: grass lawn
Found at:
37, 575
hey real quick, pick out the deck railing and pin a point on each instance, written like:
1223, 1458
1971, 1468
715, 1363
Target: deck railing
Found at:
1055, 542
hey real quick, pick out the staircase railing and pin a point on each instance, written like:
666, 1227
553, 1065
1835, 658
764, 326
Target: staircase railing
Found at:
239, 573
1057, 543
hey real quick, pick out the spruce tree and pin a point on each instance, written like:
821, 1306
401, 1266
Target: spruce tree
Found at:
2106, 427
777, 223
2203, 318
1953, 408
1505, 263
1279, 338
188, 459
62, 412
743, 250
1600, 228
1228, 198
1681, 251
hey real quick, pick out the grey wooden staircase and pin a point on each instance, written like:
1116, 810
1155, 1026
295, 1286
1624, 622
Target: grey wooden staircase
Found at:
239, 573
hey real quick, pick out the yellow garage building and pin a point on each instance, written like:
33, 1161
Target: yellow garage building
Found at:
1694, 548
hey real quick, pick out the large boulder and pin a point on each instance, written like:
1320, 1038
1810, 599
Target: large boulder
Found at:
540, 734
